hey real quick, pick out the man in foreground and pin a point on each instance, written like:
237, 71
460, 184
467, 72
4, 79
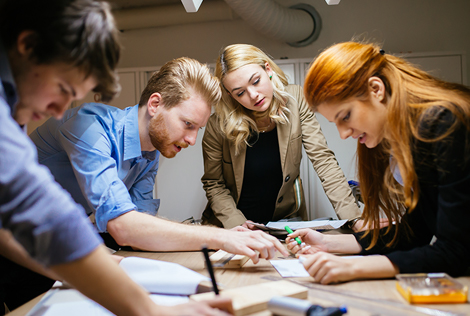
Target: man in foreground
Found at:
51, 53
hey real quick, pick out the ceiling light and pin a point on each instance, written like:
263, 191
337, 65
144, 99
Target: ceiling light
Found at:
193, 5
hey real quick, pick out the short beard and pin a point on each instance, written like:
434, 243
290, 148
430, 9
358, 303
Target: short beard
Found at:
159, 136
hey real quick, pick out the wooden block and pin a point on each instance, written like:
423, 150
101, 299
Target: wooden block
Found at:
254, 298
223, 259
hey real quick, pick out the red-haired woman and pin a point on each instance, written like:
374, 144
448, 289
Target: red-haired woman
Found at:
413, 134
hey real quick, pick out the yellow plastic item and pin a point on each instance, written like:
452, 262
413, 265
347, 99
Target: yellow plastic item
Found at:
431, 288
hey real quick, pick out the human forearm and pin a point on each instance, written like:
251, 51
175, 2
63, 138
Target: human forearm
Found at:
341, 243
147, 232
12, 250
151, 233
327, 268
100, 278
373, 267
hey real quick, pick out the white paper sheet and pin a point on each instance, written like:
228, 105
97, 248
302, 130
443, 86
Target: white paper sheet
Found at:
162, 277
169, 300
329, 224
67, 302
290, 268
85, 307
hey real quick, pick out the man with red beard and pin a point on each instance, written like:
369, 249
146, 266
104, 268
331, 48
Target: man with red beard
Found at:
107, 158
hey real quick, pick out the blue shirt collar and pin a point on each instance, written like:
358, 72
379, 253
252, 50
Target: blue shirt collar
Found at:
7, 82
132, 148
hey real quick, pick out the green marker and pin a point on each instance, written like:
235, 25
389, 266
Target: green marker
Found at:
297, 239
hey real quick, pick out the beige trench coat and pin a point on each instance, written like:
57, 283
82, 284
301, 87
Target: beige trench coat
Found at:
223, 177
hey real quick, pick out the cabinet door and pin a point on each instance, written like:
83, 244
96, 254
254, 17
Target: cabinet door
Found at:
128, 96
291, 70
445, 67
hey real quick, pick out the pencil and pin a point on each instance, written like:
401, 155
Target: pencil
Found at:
210, 269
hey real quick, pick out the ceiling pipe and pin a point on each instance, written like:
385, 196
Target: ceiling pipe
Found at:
298, 25
171, 15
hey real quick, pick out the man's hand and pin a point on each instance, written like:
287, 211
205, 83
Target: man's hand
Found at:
254, 244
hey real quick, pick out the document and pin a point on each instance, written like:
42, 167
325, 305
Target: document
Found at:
162, 277
290, 268
317, 225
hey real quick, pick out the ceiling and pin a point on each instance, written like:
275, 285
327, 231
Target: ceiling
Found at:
127, 4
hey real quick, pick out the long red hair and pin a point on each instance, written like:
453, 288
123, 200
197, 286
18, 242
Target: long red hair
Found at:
342, 72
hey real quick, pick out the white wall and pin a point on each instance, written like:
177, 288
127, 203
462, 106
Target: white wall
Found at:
401, 25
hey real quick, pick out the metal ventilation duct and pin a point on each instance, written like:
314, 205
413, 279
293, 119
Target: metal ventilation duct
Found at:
298, 25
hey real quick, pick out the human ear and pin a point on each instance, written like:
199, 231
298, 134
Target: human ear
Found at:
268, 69
154, 102
25, 43
377, 88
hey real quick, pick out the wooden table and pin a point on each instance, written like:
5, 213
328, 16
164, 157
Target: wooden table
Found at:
371, 298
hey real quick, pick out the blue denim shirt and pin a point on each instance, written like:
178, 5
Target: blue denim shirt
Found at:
94, 152
42, 217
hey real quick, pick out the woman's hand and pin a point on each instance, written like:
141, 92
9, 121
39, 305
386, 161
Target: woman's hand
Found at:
245, 227
327, 268
240, 228
249, 224
312, 242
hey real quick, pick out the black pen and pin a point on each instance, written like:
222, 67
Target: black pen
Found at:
211, 270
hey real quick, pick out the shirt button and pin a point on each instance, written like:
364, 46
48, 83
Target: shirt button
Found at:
280, 199
287, 178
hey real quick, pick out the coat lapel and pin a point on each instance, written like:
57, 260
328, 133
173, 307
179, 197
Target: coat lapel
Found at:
283, 134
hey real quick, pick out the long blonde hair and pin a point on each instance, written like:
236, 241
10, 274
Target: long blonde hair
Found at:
342, 72
235, 121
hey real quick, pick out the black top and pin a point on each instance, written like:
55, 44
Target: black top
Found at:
262, 178
443, 208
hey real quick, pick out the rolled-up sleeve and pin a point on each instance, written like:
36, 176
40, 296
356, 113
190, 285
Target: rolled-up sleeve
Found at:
90, 151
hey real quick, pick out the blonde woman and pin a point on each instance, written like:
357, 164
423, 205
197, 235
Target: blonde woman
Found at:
413, 134
252, 146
